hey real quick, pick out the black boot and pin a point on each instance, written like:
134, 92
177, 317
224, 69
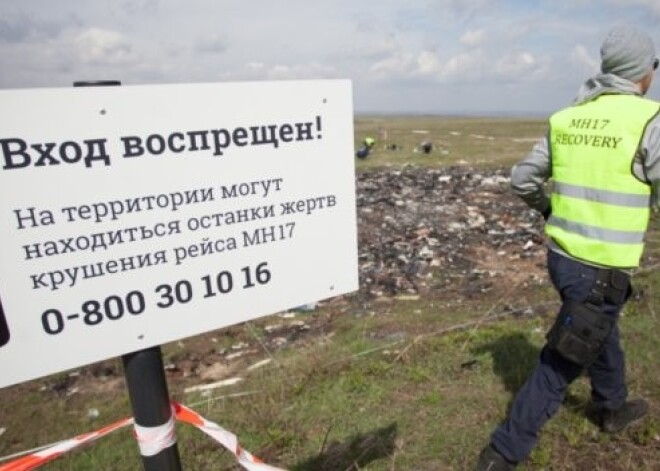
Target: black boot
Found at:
491, 460
615, 421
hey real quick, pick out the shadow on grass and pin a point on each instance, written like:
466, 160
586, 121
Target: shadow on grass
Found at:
514, 358
355, 453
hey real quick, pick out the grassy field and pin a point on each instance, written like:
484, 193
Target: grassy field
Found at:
482, 142
408, 383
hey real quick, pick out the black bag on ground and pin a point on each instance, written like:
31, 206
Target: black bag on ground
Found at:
580, 332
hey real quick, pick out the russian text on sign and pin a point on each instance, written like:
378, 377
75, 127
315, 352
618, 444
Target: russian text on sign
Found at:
55, 278
16, 153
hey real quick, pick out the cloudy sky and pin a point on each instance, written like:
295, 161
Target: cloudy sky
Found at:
431, 56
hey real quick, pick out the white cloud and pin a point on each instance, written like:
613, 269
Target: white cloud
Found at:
399, 64
394, 52
515, 65
262, 71
300, 71
465, 66
581, 58
258, 67
372, 48
428, 64
473, 38
99, 46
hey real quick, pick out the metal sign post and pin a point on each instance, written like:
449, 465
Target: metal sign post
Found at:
147, 389
146, 382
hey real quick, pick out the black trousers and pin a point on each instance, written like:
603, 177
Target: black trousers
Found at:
540, 397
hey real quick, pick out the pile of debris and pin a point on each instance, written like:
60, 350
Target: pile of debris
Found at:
420, 228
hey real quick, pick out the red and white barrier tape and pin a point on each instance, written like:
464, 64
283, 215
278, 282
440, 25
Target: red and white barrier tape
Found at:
222, 436
35, 460
151, 440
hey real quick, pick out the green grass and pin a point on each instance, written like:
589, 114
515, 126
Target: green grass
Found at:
380, 385
483, 142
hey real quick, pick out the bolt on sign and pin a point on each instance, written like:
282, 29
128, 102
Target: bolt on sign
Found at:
133, 216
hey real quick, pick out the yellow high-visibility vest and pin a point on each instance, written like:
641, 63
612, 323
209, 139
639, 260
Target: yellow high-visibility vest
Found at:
600, 210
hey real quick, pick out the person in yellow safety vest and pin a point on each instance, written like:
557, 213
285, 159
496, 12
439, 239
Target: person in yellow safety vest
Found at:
602, 155
365, 149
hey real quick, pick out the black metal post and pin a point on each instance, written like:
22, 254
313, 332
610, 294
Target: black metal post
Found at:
145, 380
147, 389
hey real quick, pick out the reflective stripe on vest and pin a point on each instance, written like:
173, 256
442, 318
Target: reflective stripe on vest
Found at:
602, 196
598, 233
600, 210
